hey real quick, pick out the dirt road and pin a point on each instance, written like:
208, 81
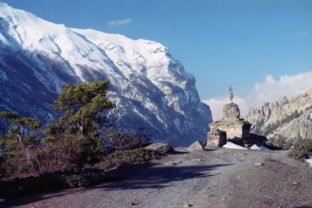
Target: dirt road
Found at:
220, 178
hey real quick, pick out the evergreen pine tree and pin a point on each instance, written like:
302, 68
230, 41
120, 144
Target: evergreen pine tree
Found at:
82, 107
18, 139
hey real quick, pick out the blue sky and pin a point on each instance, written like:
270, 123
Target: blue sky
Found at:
237, 42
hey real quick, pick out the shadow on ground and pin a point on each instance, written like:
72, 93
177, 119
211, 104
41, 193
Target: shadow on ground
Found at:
140, 176
150, 176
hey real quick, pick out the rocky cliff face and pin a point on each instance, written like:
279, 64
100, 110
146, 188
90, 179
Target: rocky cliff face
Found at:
290, 118
151, 89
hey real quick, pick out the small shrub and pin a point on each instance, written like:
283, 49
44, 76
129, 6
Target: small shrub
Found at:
64, 153
279, 142
16, 165
68, 152
301, 150
57, 180
125, 157
127, 139
2, 167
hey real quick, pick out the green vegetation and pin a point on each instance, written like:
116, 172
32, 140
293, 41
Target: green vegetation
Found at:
19, 139
126, 140
70, 148
85, 177
301, 150
280, 142
19, 145
81, 106
73, 137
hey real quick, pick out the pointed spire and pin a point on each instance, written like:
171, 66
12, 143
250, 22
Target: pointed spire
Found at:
231, 95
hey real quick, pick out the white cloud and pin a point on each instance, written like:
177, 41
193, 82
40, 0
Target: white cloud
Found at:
269, 90
114, 23
272, 89
216, 106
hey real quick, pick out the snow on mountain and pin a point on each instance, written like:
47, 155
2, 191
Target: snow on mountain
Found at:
151, 89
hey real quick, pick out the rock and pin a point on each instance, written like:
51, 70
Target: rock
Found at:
196, 146
258, 164
216, 138
295, 183
231, 145
160, 148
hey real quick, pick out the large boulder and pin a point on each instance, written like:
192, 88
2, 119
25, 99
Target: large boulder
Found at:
196, 146
159, 148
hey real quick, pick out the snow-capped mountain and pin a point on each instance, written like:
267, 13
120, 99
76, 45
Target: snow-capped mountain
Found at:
150, 88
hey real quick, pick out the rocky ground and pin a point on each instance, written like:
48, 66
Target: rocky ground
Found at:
219, 178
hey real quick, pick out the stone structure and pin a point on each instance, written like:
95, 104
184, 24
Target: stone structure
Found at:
217, 138
231, 111
231, 128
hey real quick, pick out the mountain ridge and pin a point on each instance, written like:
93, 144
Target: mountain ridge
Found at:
149, 87
287, 118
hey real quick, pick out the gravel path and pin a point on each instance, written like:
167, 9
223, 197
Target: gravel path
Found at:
221, 178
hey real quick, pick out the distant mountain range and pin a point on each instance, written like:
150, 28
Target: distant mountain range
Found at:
150, 88
287, 118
